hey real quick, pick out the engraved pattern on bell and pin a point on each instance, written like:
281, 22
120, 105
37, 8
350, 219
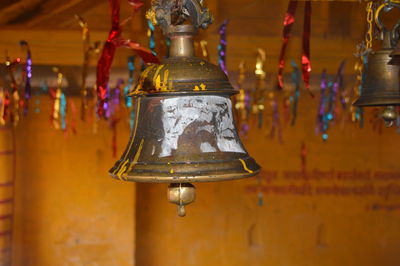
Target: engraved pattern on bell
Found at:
184, 139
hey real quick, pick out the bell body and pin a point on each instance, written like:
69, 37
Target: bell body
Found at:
381, 86
188, 138
184, 128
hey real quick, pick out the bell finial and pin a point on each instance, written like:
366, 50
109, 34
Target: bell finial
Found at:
167, 13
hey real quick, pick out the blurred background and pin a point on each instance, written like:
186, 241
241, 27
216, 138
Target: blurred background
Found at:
324, 197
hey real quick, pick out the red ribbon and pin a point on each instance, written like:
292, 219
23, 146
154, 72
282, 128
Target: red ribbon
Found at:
305, 56
287, 28
136, 4
6, 103
113, 41
106, 58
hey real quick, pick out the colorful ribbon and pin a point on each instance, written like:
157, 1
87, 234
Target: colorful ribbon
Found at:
59, 110
329, 110
150, 35
106, 58
321, 107
28, 75
113, 41
222, 47
294, 99
3, 107
287, 28
14, 99
259, 92
63, 111
128, 99
89, 51
276, 124
305, 56
357, 113
240, 104
335, 93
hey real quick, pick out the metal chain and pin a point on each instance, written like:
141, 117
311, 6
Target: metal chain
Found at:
370, 17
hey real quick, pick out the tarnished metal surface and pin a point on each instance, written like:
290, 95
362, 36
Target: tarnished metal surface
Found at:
184, 139
382, 79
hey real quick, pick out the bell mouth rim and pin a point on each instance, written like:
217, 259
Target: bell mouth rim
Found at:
186, 179
377, 102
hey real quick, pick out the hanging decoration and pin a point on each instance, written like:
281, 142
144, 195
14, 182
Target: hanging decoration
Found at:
3, 106
129, 86
222, 47
357, 113
90, 51
14, 101
337, 91
320, 127
288, 22
287, 28
150, 35
113, 41
27, 76
329, 106
294, 99
240, 105
276, 123
59, 110
258, 106
305, 56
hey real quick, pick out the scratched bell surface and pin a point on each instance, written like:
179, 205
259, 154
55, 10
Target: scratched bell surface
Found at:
187, 138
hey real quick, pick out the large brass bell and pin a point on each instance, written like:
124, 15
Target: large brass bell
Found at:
184, 128
381, 86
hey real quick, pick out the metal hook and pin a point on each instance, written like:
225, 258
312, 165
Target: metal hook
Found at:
395, 32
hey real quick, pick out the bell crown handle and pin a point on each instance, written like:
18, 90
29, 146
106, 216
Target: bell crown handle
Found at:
170, 13
391, 36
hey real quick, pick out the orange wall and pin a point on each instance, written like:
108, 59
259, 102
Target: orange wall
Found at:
70, 212
7, 174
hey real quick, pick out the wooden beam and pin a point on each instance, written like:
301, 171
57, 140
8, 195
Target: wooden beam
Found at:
10, 12
64, 47
55, 12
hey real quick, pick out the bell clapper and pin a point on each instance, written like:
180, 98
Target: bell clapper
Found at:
389, 115
181, 194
